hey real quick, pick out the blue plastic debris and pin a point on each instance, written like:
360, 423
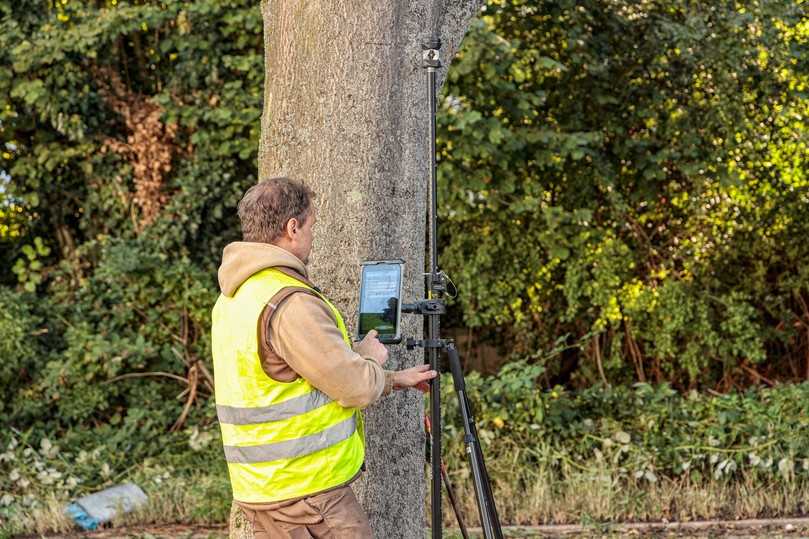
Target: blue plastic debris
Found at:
81, 517
94, 509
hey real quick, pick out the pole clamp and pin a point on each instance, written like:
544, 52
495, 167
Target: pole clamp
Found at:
430, 57
425, 307
426, 343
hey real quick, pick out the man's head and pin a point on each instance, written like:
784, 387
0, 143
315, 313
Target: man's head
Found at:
279, 211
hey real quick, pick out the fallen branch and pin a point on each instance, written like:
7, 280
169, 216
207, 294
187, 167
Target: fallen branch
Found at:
146, 375
193, 380
757, 375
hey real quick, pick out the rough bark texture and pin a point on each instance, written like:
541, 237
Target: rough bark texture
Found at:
345, 110
238, 525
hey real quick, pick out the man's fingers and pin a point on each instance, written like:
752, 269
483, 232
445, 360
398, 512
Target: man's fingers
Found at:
425, 373
419, 377
416, 377
372, 334
421, 374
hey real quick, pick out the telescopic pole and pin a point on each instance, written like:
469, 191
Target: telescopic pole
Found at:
433, 307
434, 292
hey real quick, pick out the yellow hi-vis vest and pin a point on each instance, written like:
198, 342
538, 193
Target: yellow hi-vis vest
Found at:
282, 440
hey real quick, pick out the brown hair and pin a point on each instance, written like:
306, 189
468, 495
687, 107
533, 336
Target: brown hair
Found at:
265, 208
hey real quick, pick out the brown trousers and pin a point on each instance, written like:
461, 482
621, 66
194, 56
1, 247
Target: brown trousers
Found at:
335, 514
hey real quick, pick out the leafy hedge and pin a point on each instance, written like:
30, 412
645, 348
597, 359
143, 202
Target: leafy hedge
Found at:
129, 131
607, 198
630, 177
643, 432
643, 435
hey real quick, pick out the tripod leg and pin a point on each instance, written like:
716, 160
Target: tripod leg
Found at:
454, 501
489, 520
487, 486
435, 438
450, 491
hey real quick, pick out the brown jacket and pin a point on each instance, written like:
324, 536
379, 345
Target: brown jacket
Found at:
297, 333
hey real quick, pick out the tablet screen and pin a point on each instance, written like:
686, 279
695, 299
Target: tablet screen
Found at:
379, 299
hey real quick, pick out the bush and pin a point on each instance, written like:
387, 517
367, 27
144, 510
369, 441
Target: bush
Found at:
642, 432
632, 176
21, 352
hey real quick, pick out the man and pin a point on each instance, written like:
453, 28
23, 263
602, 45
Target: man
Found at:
289, 384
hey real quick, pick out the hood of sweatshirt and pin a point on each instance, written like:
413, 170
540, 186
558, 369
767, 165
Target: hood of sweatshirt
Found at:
241, 259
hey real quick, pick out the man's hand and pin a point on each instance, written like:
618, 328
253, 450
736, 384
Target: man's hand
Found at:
370, 347
414, 377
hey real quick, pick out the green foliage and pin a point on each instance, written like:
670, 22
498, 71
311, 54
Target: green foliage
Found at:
647, 433
199, 62
624, 197
22, 357
128, 132
633, 172
28, 268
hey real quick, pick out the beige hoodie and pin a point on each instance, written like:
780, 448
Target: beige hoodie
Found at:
297, 333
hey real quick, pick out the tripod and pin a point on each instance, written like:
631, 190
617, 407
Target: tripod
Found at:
432, 308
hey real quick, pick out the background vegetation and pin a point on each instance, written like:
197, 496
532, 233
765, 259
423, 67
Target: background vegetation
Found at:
624, 199
630, 177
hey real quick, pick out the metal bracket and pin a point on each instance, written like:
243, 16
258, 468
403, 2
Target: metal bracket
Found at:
431, 58
425, 307
437, 282
427, 343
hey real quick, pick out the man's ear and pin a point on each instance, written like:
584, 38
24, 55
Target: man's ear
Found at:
292, 227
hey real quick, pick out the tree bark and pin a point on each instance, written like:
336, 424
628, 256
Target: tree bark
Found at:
346, 111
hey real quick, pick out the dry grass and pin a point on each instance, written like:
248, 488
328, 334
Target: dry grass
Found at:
590, 498
531, 498
47, 518
197, 500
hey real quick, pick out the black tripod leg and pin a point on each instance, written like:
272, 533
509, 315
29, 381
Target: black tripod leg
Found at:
435, 438
487, 485
453, 500
489, 520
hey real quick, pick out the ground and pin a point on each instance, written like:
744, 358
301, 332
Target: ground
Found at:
751, 529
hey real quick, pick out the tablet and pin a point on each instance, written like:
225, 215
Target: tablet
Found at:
380, 300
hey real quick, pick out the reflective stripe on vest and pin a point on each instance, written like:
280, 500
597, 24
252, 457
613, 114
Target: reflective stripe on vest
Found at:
281, 440
235, 415
292, 448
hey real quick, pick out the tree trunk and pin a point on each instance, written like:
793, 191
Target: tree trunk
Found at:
346, 111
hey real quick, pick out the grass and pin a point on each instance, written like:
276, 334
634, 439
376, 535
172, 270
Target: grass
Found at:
582, 498
585, 498
197, 499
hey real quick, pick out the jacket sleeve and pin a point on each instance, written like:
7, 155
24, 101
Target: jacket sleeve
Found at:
304, 333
